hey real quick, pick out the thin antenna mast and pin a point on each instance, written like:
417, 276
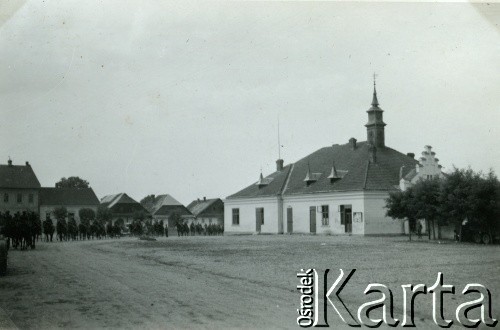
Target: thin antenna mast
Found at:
279, 143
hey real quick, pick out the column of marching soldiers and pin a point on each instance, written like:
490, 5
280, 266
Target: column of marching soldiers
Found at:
24, 229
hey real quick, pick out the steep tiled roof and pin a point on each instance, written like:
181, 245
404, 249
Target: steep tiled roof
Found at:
68, 196
122, 204
198, 206
273, 188
170, 209
18, 176
361, 174
163, 200
122, 198
358, 172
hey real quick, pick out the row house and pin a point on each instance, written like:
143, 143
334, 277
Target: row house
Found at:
207, 211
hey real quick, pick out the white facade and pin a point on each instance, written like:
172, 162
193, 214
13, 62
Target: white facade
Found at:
357, 213
247, 209
73, 210
427, 168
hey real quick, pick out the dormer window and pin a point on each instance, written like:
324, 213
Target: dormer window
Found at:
311, 177
334, 176
263, 181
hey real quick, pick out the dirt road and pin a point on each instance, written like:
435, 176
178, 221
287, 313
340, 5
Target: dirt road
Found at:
87, 287
216, 282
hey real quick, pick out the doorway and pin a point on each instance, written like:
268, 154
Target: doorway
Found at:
259, 218
289, 220
346, 217
312, 219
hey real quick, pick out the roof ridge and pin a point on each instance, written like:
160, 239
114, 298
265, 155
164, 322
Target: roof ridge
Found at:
287, 179
366, 174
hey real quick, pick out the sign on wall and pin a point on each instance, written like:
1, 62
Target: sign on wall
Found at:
357, 217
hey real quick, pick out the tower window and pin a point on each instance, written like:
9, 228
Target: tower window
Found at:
6, 198
19, 198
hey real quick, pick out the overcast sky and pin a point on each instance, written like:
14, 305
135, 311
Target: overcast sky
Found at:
184, 98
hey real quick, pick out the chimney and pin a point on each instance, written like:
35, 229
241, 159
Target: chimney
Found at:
28, 163
372, 152
204, 199
279, 165
9, 162
198, 200
411, 155
352, 142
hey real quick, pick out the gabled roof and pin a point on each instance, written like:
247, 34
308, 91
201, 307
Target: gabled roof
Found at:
357, 173
198, 206
170, 209
111, 200
122, 204
163, 200
18, 176
68, 196
275, 186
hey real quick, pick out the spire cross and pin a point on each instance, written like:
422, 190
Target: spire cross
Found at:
374, 79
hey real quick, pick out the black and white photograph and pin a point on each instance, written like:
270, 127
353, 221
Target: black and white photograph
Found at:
249, 164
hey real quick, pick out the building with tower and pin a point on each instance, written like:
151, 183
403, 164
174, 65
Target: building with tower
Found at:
339, 189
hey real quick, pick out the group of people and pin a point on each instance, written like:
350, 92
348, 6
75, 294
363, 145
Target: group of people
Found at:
22, 229
212, 229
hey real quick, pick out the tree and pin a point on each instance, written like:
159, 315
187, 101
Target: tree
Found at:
140, 215
421, 201
148, 202
473, 198
426, 202
463, 196
86, 215
72, 182
104, 215
399, 206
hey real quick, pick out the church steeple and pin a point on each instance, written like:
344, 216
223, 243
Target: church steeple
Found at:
375, 100
375, 125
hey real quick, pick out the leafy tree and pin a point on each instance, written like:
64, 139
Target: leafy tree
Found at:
86, 216
104, 215
472, 197
139, 215
72, 182
463, 196
148, 202
426, 202
399, 206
